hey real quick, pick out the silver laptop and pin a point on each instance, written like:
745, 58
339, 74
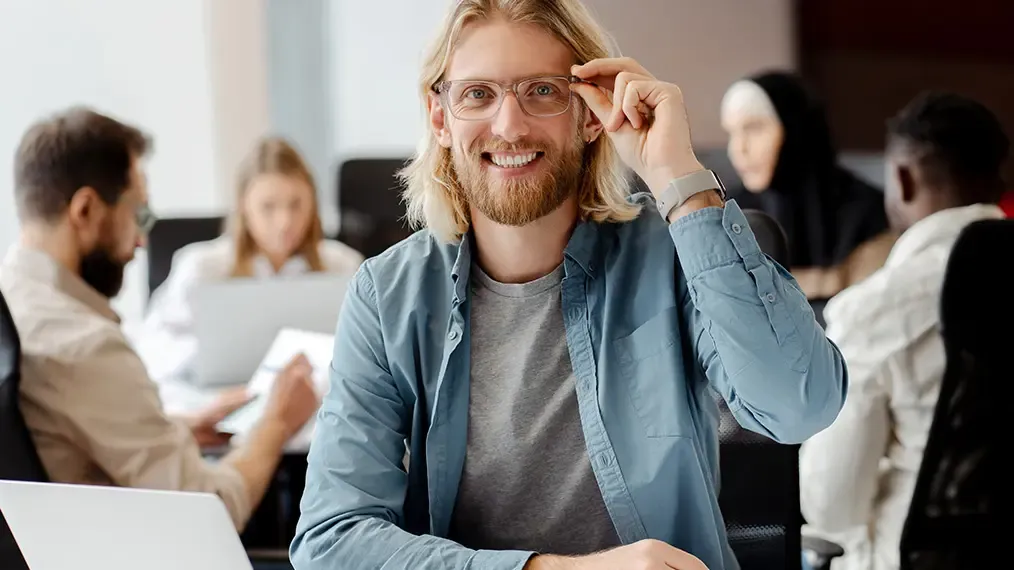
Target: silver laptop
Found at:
235, 321
74, 527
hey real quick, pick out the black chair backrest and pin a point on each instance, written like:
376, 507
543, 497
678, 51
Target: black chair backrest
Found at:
169, 235
369, 202
759, 494
954, 517
18, 459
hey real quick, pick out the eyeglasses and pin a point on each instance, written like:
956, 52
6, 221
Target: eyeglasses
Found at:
145, 218
474, 100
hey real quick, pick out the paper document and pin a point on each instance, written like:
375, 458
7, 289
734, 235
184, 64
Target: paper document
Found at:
317, 347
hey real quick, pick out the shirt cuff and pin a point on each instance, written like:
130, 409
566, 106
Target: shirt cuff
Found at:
499, 559
713, 237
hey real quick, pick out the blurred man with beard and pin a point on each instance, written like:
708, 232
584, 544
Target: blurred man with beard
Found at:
92, 411
548, 348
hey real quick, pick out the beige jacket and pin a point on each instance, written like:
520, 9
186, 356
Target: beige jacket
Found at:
95, 416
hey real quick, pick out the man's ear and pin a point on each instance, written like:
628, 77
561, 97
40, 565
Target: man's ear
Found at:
906, 184
83, 207
84, 213
438, 120
592, 127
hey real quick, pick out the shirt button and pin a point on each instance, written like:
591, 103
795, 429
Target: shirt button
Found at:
453, 335
737, 229
770, 297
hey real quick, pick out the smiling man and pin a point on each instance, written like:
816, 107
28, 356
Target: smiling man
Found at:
546, 347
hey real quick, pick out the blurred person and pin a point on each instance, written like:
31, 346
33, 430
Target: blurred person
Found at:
538, 347
274, 229
944, 159
93, 413
780, 145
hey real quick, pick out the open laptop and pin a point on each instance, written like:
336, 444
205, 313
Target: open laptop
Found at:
69, 527
236, 321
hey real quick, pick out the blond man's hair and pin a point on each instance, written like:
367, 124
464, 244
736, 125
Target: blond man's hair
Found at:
432, 196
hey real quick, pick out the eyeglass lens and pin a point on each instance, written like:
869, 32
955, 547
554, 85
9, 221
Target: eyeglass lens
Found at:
478, 100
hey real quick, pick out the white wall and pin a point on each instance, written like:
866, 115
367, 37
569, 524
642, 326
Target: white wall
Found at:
703, 45
186, 71
376, 52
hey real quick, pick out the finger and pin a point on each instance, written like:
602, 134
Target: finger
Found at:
681, 560
629, 108
235, 397
640, 101
609, 67
596, 100
619, 93
219, 439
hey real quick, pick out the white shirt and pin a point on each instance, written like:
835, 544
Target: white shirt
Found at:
858, 475
165, 340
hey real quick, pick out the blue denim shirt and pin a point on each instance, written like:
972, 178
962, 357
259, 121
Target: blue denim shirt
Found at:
648, 338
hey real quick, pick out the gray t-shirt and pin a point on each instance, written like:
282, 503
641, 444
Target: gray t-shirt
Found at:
527, 482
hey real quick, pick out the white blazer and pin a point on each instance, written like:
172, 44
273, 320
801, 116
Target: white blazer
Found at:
165, 340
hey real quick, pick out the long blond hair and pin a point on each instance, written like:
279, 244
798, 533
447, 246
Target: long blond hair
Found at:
272, 155
431, 197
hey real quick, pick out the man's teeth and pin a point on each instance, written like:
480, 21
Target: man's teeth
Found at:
512, 160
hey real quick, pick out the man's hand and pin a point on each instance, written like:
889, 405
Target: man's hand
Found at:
645, 118
642, 555
202, 424
292, 399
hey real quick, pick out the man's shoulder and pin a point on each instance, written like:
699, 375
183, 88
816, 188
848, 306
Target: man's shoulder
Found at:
50, 323
895, 304
418, 264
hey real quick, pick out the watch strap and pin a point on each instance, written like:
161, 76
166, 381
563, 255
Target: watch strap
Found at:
681, 189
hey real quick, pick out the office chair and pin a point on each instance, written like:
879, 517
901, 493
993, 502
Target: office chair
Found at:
369, 202
954, 518
759, 493
169, 235
18, 458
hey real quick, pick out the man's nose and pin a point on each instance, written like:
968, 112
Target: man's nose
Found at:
510, 122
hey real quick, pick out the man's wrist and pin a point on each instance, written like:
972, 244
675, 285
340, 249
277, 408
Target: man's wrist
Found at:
699, 201
658, 180
274, 428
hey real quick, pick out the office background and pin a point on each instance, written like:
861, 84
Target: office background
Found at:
206, 77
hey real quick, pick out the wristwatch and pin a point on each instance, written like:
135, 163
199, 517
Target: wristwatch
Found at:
681, 189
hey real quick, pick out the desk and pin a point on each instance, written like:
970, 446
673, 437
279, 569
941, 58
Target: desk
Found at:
273, 524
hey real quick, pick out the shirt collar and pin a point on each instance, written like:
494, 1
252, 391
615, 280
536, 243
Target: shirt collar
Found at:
295, 265
944, 225
583, 249
39, 266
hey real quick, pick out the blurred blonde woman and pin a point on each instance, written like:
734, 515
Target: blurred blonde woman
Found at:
274, 229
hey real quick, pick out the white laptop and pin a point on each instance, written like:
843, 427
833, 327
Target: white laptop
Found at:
80, 527
236, 321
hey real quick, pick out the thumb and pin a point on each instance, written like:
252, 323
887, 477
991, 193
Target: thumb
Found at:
597, 100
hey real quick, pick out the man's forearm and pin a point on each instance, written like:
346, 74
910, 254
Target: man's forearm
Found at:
257, 458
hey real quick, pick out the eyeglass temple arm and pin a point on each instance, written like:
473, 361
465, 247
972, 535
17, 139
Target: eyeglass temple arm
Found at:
576, 79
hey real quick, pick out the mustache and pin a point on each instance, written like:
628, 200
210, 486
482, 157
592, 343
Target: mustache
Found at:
500, 145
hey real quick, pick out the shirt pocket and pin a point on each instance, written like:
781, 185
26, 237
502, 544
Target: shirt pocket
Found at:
650, 365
